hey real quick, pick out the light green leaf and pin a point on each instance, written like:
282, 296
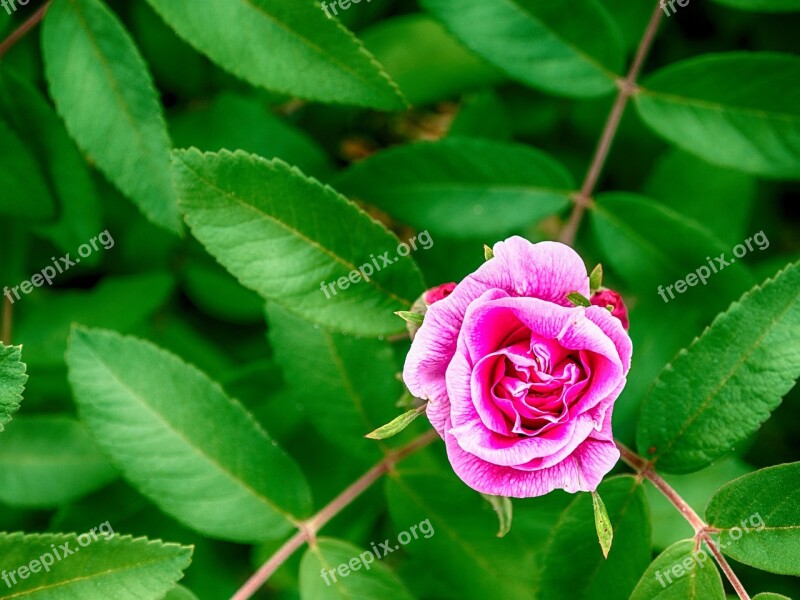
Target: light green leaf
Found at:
180, 593
700, 105
396, 425
572, 546
49, 460
116, 302
462, 187
23, 189
680, 573
767, 6
12, 381
67, 173
285, 236
181, 441
596, 279
759, 515
118, 567
289, 47
89, 54
347, 385
578, 299
365, 579
571, 53
504, 510
720, 389
435, 67
605, 531
770, 596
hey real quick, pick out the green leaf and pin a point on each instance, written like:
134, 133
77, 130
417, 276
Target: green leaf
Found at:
469, 557
596, 278
578, 299
347, 385
770, 596
572, 546
435, 67
23, 189
396, 425
680, 573
180, 593
462, 187
287, 47
411, 318
721, 199
122, 128
357, 575
759, 515
482, 115
239, 122
502, 506
286, 236
12, 381
767, 6
726, 384
216, 292
651, 247
118, 567
175, 435
573, 53
488, 253
116, 302
49, 460
605, 531
700, 105
65, 169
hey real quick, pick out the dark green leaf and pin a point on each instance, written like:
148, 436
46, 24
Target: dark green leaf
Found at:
700, 105
759, 515
123, 127
292, 48
336, 570
453, 187
118, 567
181, 441
720, 389
286, 236
572, 53
572, 546
681, 573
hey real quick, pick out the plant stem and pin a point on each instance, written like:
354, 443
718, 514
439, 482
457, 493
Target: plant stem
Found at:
627, 87
701, 529
307, 530
20, 31
8, 313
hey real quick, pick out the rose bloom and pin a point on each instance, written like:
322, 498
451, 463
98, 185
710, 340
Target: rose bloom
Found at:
520, 383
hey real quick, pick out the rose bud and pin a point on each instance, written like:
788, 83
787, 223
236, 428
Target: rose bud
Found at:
520, 383
605, 298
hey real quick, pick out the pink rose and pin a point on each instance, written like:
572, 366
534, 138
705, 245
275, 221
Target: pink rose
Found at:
521, 384
606, 298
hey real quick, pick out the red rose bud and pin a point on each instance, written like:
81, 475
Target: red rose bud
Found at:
439, 292
606, 297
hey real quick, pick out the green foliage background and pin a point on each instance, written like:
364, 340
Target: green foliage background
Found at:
192, 384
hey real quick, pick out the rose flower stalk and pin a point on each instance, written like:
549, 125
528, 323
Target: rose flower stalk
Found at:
521, 383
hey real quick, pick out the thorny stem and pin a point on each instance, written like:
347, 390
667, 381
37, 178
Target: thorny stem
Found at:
20, 31
644, 470
307, 530
626, 88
